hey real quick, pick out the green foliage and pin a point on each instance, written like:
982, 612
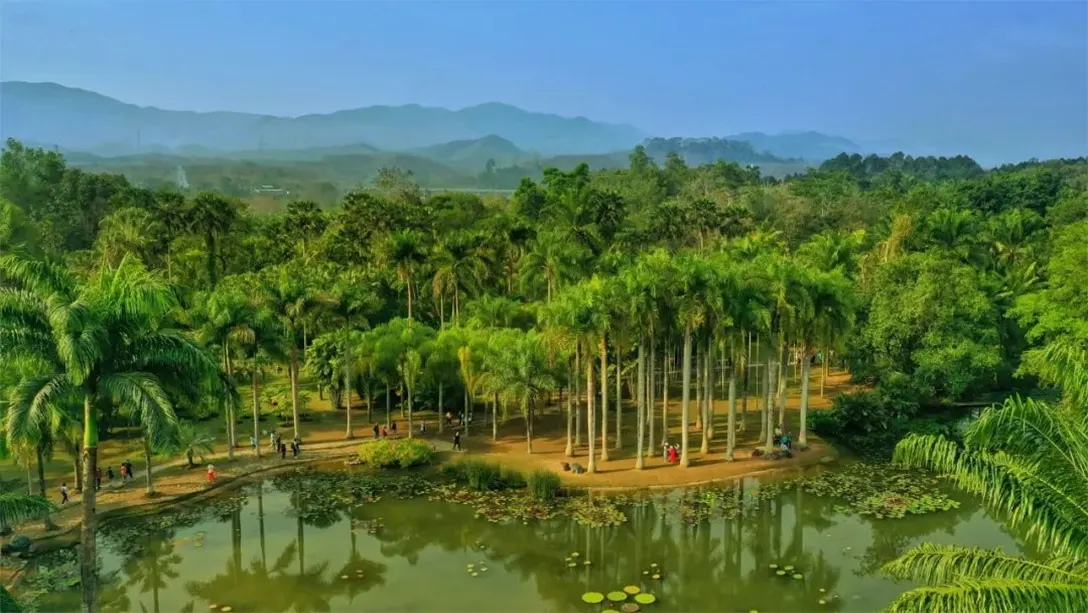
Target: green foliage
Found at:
399, 453
543, 484
484, 476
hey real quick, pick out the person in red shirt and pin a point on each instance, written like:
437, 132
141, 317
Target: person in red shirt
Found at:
211, 473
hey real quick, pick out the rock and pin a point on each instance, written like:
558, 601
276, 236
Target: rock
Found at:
757, 453
577, 469
565, 466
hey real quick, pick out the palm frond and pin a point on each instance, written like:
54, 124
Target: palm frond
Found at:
143, 395
15, 508
932, 563
993, 595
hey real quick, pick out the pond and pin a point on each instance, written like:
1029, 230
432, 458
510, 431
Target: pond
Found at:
255, 551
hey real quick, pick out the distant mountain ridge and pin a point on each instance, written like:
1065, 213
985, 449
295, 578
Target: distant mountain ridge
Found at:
86, 121
52, 115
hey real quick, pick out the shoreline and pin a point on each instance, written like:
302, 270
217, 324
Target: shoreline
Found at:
68, 535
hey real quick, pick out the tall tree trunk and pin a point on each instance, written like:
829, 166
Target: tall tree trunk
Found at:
697, 357
150, 491
293, 367
745, 388
802, 435
665, 394
47, 521
569, 451
527, 409
823, 370
409, 411
77, 461
709, 394
640, 406
650, 403
685, 399
577, 395
349, 433
604, 398
495, 418
388, 406
231, 434
765, 400
731, 423
441, 407
255, 383
619, 396
783, 384
772, 381
590, 413
88, 568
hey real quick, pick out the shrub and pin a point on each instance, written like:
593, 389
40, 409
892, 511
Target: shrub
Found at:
401, 453
483, 476
543, 484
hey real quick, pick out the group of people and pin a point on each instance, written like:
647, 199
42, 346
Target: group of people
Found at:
126, 473
278, 445
383, 432
671, 453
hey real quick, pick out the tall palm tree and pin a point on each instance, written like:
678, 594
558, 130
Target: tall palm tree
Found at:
461, 265
285, 292
406, 252
113, 339
693, 288
210, 215
1029, 460
521, 369
825, 325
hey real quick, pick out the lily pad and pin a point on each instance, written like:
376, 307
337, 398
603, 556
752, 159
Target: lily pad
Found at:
213, 607
773, 566
645, 598
617, 596
575, 554
780, 573
632, 589
654, 565
645, 572
822, 590
593, 598
798, 576
629, 607
822, 601
343, 576
657, 576
572, 565
475, 574
787, 567
586, 562
226, 609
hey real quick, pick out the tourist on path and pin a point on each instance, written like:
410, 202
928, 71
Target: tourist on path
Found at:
109, 475
457, 441
283, 450
393, 429
98, 477
64, 493
377, 432
211, 474
385, 433
128, 470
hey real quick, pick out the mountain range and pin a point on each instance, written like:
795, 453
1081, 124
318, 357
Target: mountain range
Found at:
77, 120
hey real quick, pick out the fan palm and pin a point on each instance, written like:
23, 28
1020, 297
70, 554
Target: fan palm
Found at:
1029, 460
112, 339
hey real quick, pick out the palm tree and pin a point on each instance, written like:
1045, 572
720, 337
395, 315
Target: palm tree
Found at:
1029, 460
521, 370
113, 340
552, 261
211, 215
460, 266
825, 325
284, 291
406, 251
691, 308
191, 442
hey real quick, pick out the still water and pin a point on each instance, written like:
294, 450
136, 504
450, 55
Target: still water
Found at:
253, 554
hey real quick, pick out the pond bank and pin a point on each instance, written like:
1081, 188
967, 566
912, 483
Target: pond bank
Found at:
191, 486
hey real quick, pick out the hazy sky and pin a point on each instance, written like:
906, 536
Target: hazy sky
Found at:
985, 76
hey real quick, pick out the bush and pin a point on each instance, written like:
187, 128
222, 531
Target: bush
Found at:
543, 484
484, 476
400, 453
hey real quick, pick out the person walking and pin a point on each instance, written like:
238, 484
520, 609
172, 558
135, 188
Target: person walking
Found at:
64, 493
211, 474
457, 441
377, 432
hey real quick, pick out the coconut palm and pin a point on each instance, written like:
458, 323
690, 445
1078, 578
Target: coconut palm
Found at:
210, 215
1029, 460
460, 267
694, 283
824, 325
520, 368
191, 442
113, 340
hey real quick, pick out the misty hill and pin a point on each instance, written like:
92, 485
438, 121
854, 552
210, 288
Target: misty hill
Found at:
474, 154
81, 120
812, 146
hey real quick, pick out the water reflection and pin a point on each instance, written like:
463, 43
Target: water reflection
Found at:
271, 551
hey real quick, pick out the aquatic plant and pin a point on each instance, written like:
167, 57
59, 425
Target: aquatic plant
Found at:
543, 484
595, 512
399, 453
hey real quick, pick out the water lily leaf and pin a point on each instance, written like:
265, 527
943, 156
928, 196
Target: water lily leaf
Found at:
798, 576
617, 596
593, 598
645, 598
780, 573
632, 589
629, 607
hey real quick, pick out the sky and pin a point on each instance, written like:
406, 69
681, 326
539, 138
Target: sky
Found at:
1003, 78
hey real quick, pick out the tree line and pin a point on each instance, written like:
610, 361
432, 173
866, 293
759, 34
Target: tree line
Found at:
124, 305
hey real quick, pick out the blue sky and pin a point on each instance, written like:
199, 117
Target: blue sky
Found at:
985, 77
